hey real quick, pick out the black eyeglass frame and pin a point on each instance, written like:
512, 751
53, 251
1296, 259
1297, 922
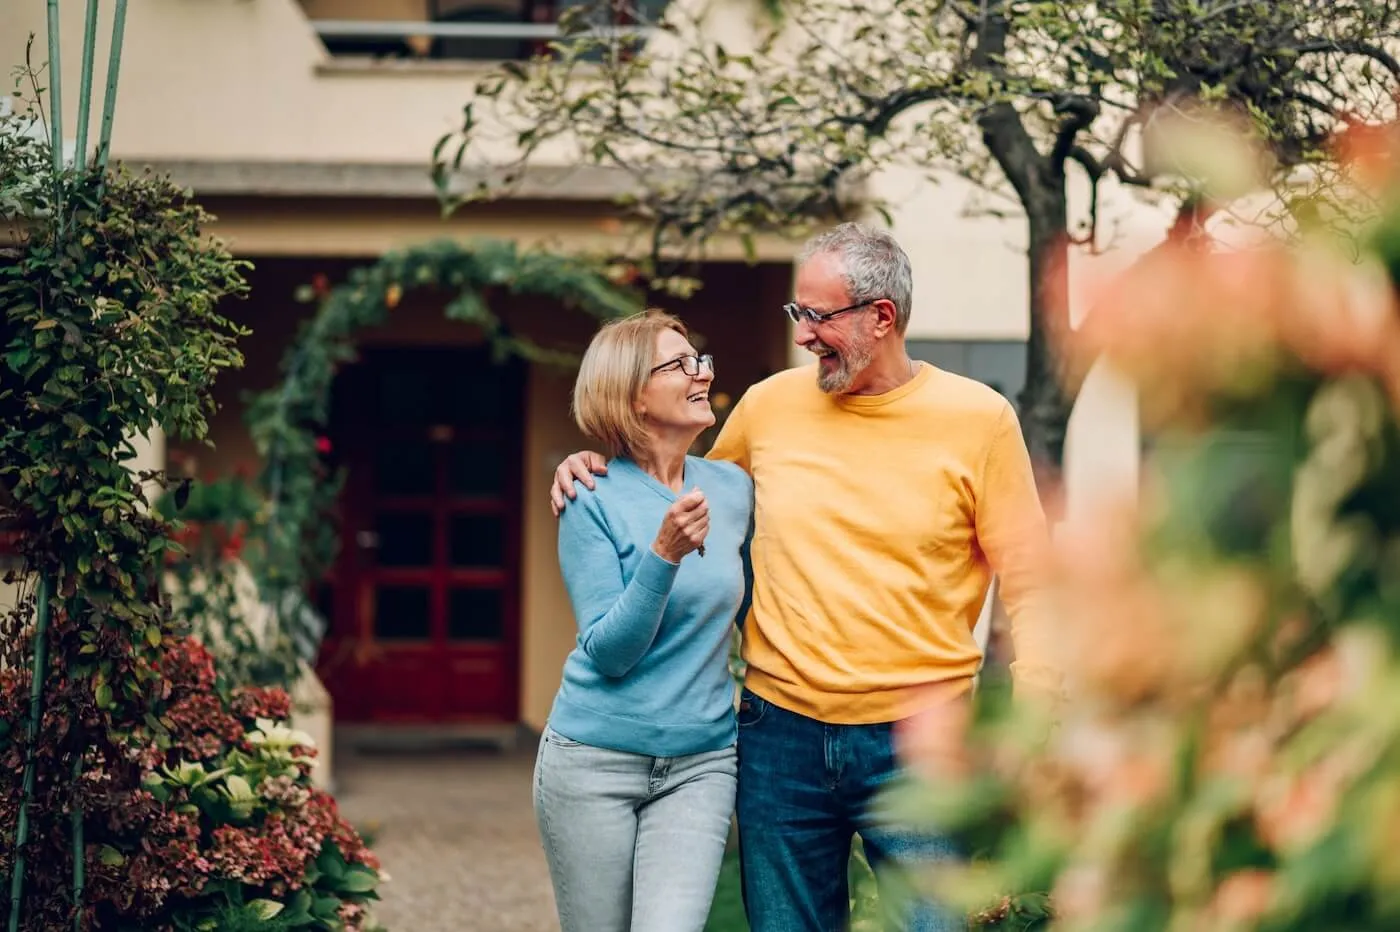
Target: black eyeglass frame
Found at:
797, 313
701, 359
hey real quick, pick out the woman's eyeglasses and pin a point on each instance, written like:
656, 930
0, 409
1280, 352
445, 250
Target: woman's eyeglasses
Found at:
690, 365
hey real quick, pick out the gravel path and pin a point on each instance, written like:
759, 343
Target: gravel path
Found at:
456, 834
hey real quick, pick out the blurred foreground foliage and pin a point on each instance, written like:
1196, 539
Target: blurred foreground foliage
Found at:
1228, 754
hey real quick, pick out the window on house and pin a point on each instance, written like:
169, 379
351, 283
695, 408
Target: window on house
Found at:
458, 30
998, 363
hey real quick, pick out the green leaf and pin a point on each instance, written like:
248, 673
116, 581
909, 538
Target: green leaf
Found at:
103, 695
16, 359
298, 911
331, 863
111, 857
153, 636
359, 879
265, 909
46, 324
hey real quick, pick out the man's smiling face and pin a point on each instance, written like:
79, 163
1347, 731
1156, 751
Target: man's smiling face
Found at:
844, 346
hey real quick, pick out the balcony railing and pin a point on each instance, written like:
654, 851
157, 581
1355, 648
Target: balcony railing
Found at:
496, 36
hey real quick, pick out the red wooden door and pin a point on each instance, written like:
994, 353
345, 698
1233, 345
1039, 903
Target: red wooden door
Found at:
425, 595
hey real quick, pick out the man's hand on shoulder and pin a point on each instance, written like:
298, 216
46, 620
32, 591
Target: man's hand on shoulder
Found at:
579, 467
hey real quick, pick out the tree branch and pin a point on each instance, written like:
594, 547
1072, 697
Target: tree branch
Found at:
1353, 47
1002, 129
1095, 170
1314, 103
1117, 163
1080, 113
969, 16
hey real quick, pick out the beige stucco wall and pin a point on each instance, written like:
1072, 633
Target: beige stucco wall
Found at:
9, 596
236, 80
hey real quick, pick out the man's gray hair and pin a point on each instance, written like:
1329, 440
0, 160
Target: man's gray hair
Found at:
872, 263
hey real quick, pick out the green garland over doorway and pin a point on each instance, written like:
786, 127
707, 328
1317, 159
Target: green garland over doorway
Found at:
292, 543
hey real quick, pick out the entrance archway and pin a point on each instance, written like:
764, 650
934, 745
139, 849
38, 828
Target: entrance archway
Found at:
295, 544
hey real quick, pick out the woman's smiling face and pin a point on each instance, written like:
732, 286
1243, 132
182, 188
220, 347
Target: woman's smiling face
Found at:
673, 400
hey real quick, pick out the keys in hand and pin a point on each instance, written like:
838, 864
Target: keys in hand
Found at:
684, 528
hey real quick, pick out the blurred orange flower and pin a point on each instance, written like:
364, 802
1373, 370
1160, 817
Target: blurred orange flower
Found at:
1189, 322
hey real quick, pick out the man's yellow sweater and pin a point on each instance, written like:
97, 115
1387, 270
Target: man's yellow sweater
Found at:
879, 522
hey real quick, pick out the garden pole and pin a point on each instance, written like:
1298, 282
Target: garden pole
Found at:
81, 159
36, 714
114, 66
41, 620
79, 848
56, 111
85, 84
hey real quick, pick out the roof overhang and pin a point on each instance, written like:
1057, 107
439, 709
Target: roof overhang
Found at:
275, 179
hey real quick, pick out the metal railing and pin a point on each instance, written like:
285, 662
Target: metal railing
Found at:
447, 40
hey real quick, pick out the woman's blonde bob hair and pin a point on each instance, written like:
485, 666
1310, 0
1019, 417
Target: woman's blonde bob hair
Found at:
611, 377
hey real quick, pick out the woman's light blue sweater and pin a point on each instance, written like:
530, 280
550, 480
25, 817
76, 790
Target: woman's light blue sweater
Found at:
649, 673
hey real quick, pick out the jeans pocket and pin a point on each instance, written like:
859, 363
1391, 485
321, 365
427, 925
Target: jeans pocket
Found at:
559, 741
751, 709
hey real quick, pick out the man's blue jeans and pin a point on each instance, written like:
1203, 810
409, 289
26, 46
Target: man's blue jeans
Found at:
805, 789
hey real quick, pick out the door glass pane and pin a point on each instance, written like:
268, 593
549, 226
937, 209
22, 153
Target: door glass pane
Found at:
474, 615
477, 540
404, 467
401, 613
480, 399
405, 539
477, 387
476, 470
405, 394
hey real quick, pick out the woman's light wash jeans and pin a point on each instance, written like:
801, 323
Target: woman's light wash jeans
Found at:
634, 843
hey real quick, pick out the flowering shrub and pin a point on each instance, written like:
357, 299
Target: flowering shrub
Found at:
223, 827
135, 795
1228, 756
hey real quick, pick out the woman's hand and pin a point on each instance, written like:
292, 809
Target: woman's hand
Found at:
684, 527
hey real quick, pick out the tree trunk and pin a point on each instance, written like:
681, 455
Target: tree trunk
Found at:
1039, 182
1046, 400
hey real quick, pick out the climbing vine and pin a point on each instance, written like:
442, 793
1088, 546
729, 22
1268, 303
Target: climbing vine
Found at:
110, 329
293, 543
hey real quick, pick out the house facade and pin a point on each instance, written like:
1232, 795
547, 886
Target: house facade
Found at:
305, 127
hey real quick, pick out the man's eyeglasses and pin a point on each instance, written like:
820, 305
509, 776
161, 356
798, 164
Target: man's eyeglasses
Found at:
797, 313
690, 365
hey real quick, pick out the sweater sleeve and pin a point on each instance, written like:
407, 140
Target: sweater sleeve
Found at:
617, 619
1012, 532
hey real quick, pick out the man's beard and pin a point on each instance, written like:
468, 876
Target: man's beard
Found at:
849, 364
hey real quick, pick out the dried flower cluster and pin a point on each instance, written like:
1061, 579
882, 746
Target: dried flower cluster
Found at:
224, 813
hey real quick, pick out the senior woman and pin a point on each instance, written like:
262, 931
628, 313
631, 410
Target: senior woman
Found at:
635, 779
